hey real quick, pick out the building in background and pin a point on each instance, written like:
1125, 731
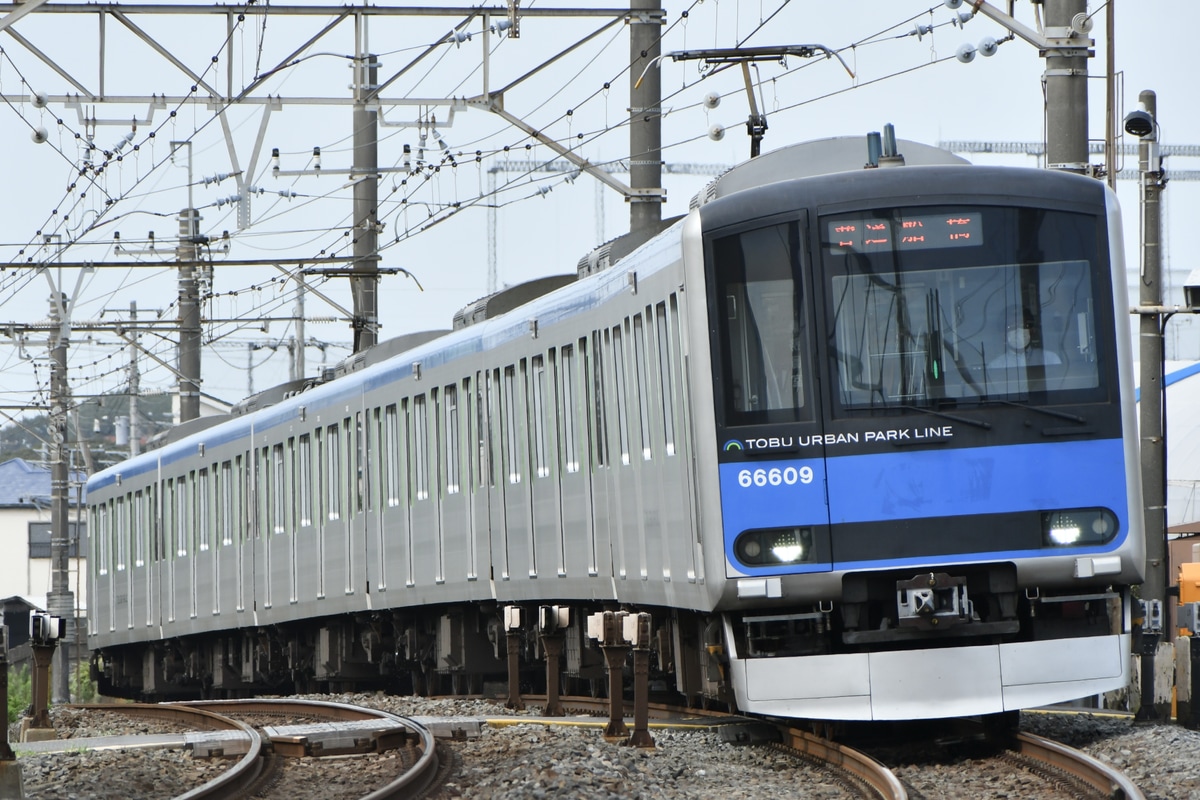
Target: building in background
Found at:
25, 533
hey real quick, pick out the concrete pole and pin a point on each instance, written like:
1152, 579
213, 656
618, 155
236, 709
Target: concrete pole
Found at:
301, 288
1066, 79
135, 386
365, 281
60, 601
189, 316
645, 119
1150, 330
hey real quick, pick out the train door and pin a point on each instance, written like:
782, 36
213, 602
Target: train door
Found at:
139, 568
304, 545
515, 475
102, 579
548, 556
377, 495
598, 405
771, 440
260, 529
497, 478
425, 538
205, 563
455, 525
679, 554
335, 522
393, 515
475, 476
577, 532
279, 531
225, 564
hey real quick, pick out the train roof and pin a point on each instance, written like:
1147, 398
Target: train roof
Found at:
819, 157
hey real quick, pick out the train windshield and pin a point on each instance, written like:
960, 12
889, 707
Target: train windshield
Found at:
763, 328
944, 306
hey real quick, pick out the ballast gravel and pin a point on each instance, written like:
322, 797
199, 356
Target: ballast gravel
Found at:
533, 760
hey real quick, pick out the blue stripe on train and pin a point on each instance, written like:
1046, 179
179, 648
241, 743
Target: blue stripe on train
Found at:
914, 484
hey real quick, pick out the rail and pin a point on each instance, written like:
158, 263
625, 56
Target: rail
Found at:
234, 781
411, 783
1106, 781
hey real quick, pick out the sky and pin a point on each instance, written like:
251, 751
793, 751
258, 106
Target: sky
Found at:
435, 222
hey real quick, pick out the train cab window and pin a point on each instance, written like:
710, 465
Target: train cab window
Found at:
951, 306
761, 316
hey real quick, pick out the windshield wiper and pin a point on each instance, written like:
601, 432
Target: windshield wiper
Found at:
978, 423
1050, 412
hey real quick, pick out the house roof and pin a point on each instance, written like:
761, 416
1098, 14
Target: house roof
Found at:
26, 485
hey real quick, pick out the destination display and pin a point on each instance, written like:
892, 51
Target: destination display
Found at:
905, 232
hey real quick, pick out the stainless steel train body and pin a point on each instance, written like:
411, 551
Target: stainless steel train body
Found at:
793, 427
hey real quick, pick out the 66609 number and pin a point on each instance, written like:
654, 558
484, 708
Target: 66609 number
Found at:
788, 476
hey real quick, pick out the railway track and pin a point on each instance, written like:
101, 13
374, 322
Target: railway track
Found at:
274, 748
261, 738
1072, 771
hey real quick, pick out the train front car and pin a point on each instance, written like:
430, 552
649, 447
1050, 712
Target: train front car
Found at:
925, 439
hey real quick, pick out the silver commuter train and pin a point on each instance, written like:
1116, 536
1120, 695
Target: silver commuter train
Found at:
797, 427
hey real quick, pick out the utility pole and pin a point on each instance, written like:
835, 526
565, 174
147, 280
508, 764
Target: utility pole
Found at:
301, 288
1066, 47
645, 119
1066, 80
189, 316
1151, 411
364, 279
60, 601
135, 386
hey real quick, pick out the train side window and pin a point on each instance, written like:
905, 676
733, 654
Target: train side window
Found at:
641, 382
304, 495
366, 463
668, 334
120, 528
420, 450
104, 532
278, 490
762, 325
450, 404
470, 439
437, 475
356, 485
157, 544
570, 437
333, 474
225, 494
594, 382
490, 428
538, 415
391, 450
202, 515
618, 351
139, 529
241, 493
510, 430
181, 516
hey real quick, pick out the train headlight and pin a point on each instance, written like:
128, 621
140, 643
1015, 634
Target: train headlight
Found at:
761, 548
1078, 527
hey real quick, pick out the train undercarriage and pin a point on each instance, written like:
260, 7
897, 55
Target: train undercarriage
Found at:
467, 649
455, 650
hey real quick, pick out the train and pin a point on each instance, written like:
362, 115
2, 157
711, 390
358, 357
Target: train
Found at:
857, 433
